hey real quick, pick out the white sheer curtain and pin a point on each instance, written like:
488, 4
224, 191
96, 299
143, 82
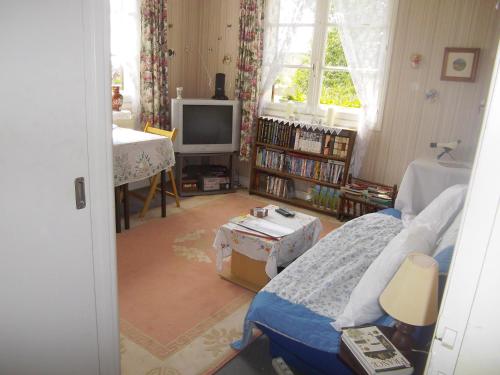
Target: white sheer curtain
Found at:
278, 38
365, 27
125, 46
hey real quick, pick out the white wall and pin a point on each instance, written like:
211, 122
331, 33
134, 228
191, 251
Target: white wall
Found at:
467, 330
410, 121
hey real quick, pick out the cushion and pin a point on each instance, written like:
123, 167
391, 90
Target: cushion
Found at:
449, 237
421, 236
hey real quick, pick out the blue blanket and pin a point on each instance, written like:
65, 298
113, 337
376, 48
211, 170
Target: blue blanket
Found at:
295, 321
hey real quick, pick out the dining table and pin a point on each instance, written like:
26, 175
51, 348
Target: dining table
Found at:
137, 156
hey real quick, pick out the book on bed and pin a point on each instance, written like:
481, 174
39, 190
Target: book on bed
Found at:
375, 352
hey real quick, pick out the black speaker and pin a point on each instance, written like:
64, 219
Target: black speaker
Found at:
220, 82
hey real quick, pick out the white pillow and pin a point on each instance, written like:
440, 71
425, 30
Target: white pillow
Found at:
441, 212
450, 235
420, 236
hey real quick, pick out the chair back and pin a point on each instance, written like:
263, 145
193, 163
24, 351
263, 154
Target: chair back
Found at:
165, 133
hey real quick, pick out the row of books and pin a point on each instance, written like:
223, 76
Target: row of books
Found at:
330, 171
284, 134
280, 187
375, 352
270, 159
325, 197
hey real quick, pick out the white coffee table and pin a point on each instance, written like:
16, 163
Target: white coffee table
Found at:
255, 260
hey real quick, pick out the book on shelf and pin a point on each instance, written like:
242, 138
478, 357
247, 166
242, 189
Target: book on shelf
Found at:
324, 197
330, 171
277, 186
335, 142
270, 159
375, 352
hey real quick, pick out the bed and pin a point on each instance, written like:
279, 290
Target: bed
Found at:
297, 309
296, 332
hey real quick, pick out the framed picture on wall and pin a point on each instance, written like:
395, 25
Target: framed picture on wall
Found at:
460, 64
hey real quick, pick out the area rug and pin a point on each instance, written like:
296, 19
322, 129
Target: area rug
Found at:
177, 315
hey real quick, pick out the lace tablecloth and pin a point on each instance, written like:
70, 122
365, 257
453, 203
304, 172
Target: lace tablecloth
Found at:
274, 252
138, 155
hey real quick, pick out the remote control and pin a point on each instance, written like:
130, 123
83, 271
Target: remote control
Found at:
285, 212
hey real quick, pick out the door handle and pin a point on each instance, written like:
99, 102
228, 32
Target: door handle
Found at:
80, 193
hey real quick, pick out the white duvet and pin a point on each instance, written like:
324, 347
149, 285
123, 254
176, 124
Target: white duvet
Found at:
323, 278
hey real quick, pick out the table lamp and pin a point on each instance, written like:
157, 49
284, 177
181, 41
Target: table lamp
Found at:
411, 297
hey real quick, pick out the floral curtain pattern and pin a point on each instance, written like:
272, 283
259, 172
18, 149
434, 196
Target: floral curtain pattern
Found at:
249, 69
153, 64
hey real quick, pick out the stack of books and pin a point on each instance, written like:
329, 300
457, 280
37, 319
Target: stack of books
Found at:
375, 352
284, 134
373, 194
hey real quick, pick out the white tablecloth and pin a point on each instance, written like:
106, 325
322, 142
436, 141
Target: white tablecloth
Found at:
138, 155
274, 253
423, 181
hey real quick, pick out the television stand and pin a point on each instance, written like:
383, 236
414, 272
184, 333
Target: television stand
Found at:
194, 169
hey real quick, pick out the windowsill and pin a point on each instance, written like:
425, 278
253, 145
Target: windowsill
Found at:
344, 117
122, 115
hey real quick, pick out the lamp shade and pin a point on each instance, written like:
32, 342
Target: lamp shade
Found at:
412, 295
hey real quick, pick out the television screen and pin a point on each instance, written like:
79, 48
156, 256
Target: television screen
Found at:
207, 124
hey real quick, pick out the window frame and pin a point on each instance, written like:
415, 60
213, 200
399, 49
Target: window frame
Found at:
345, 116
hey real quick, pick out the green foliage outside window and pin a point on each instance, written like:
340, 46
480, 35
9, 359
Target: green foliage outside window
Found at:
337, 87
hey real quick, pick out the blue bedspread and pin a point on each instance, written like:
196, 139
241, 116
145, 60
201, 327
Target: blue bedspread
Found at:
296, 322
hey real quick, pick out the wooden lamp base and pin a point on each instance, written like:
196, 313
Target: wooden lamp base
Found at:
402, 338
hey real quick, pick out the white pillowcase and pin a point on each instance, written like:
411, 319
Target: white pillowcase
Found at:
420, 236
450, 235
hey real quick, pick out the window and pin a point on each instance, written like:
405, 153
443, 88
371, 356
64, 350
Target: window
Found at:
312, 70
125, 32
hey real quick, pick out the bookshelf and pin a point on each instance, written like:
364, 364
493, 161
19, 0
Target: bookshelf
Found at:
287, 151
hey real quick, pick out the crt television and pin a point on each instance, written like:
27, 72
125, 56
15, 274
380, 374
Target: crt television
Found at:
206, 125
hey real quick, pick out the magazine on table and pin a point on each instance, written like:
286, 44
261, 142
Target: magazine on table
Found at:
375, 352
262, 226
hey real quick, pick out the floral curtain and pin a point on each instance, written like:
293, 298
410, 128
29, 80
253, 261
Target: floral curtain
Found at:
153, 63
249, 69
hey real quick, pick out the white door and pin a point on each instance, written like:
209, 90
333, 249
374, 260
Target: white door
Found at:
48, 305
467, 331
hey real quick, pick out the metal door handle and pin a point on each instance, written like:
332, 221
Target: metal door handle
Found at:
80, 193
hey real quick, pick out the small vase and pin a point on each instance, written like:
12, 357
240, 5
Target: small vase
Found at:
117, 99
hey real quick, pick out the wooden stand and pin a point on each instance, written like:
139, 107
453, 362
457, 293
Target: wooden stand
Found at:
256, 170
246, 272
180, 163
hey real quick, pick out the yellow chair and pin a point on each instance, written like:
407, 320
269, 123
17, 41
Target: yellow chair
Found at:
156, 179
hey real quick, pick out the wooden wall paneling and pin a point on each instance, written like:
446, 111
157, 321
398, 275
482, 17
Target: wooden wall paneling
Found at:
218, 40
203, 37
410, 121
229, 43
184, 18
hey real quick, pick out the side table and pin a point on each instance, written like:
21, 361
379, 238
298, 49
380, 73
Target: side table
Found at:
255, 258
417, 359
351, 206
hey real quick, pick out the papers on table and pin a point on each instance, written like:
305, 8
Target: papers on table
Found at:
262, 226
